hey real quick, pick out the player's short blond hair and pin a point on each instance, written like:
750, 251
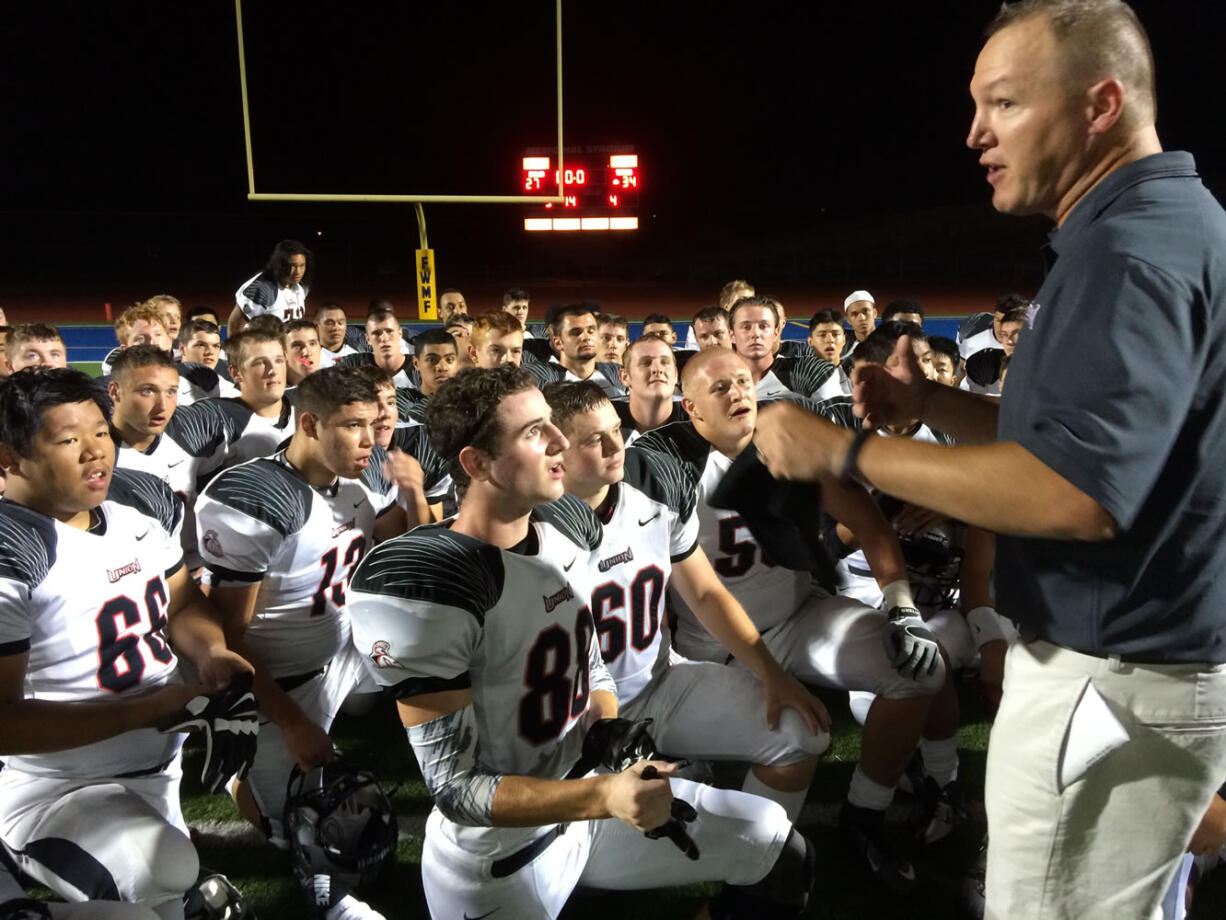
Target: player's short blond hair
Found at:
138, 311
496, 321
733, 291
161, 300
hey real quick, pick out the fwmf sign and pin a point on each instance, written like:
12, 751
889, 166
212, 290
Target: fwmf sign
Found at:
427, 289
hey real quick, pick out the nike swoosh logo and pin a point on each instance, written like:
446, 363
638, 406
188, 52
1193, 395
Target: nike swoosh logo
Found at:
486, 914
565, 568
171, 466
359, 504
142, 536
649, 520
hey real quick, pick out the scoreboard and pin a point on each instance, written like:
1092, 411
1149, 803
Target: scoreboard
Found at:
600, 188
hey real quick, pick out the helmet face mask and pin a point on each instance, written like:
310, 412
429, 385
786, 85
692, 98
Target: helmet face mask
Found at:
342, 827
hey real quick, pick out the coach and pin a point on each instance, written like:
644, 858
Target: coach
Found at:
1103, 470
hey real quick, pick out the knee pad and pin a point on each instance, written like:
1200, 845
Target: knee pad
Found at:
173, 868
792, 725
783, 892
898, 687
859, 702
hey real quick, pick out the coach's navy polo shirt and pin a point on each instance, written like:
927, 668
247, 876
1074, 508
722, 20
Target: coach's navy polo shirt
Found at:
1119, 385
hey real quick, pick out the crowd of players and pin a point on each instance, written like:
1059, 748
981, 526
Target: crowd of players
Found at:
553, 547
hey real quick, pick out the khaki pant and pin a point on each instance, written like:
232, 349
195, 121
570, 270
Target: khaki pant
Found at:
1108, 845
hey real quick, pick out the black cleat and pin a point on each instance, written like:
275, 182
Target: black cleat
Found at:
943, 811
864, 829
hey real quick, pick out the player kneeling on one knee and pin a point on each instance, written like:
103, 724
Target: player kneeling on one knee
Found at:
483, 628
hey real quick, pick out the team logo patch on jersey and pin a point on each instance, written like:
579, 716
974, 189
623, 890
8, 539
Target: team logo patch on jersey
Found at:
380, 655
1031, 312
605, 564
348, 525
212, 543
113, 575
558, 597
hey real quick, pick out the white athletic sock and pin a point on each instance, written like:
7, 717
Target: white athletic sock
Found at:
864, 793
940, 759
792, 802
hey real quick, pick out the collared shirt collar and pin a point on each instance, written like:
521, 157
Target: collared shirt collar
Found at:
1098, 199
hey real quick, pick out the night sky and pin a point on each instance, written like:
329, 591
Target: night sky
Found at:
753, 121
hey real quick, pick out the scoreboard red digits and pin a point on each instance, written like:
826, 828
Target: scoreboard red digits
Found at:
599, 186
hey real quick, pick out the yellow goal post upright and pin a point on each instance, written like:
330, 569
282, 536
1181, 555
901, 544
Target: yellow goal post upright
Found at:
427, 285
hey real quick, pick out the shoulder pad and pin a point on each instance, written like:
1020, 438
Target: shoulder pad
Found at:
355, 338
573, 518
612, 373
414, 441
682, 442
545, 372
811, 371
147, 494
261, 291
538, 348
373, 477
974, 324
837, 409
358, 359
206, 425
660, 477
265, 490
434, 565
27, 544
201, 376
411, 403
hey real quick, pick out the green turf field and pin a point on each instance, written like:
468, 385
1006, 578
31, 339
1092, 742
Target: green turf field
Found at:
843, 893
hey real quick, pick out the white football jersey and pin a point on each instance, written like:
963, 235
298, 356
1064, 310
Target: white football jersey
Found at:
604, 373
258, 295
197, 382
170, 463
976, 333
262, 522
649, 523
89, 606
802, 375
769, 593
328, 358
435, 610
224, 432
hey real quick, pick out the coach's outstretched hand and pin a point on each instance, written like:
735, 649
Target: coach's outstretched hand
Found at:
229, 723
893, 393
910, 644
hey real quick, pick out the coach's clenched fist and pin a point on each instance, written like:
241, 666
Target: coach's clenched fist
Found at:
796, 444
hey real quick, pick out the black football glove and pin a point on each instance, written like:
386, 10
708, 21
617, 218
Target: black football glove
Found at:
618, 743
909, 643
229, 722
683, 813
